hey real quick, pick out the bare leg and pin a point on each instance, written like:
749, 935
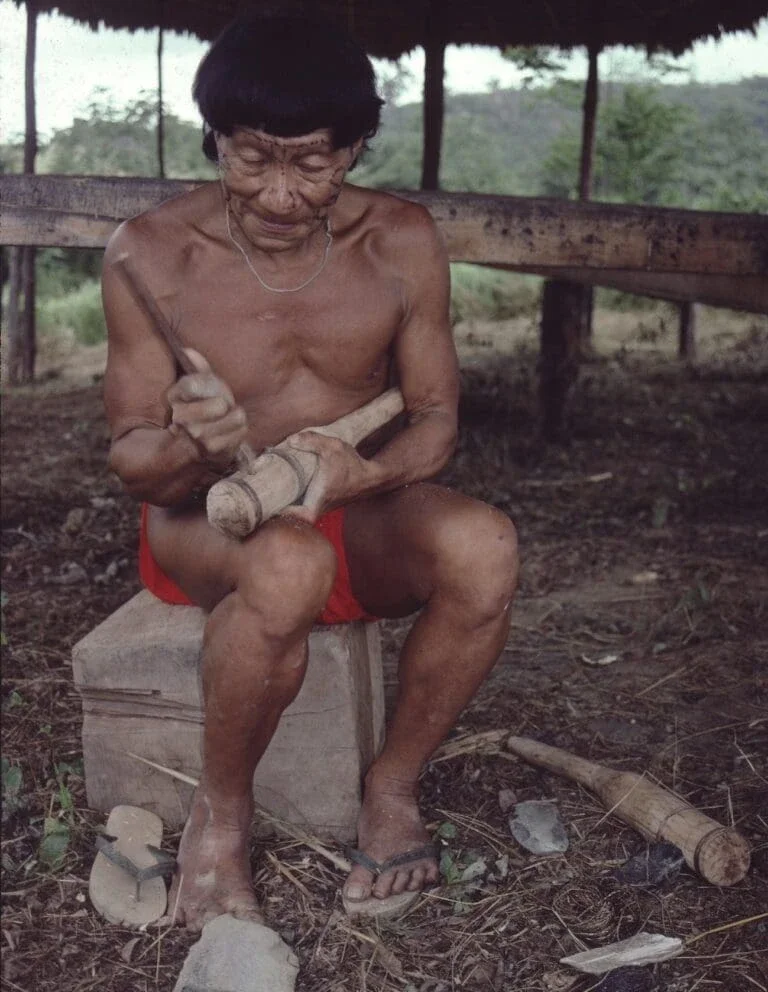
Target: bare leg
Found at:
254, 658
460, 558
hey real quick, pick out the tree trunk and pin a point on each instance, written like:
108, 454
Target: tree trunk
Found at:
559, 355
433, 110
586, 170
12, 366
686, 345
20, 366
160, 110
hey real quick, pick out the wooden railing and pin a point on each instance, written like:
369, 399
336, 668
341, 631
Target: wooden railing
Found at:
717, 258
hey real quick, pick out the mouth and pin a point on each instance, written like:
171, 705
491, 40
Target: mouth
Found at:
276, 225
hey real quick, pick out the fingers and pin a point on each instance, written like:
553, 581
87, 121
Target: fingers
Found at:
204, 408
197, 360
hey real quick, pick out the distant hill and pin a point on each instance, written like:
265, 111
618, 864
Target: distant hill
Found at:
501, 141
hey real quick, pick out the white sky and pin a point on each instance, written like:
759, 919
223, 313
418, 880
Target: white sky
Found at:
73, 60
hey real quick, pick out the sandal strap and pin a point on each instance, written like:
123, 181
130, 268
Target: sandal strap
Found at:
378, 868
165, 864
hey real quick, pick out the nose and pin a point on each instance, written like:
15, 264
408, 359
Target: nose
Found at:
279, 195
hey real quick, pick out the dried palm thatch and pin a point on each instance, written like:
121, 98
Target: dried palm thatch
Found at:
389, 29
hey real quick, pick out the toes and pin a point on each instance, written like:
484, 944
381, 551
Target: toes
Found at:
432, 873
359, 885
417, 879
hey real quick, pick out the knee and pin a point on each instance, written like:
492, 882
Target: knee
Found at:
480, 561
285, 576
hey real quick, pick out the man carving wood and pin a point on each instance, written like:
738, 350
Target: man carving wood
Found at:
302, 292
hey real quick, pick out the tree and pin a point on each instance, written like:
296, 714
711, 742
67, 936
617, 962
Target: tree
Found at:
639, 152
122, 141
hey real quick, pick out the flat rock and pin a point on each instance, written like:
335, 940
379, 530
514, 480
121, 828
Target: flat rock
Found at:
643, 948
238, 956
537, 827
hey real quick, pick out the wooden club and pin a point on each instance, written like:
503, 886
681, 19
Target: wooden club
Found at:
279, 476
720, 854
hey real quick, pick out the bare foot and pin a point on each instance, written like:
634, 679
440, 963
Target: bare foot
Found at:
390, 825
213, 874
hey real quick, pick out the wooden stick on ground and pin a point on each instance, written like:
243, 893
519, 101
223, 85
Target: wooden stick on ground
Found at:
720, 854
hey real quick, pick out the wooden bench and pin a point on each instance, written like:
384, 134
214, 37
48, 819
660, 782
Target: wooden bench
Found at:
138, 674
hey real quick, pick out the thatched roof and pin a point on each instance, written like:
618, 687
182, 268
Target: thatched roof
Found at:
389, 28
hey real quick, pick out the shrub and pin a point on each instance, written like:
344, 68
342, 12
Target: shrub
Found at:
490, 294
79, 312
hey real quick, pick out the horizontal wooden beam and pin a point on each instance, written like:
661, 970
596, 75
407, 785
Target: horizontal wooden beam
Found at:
736, 292
81, 212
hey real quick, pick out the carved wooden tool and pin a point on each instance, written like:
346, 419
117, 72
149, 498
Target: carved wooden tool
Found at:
279, 477
720, 854
163, 328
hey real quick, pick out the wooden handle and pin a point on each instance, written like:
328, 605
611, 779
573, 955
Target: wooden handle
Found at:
279, 477
720, 854
164, 329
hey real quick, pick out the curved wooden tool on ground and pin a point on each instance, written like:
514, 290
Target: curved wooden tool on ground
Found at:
279, 476
720, 854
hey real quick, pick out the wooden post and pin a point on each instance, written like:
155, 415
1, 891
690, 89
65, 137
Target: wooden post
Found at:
160, 112
566, 317
20, 366
433, 111
586, 171
559, 356
686, 344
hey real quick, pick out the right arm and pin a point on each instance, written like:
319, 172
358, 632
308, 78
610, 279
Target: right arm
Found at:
169, 437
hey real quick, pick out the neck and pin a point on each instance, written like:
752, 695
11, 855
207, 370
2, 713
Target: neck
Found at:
272, 274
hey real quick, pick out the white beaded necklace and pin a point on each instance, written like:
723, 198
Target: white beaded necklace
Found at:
249, 263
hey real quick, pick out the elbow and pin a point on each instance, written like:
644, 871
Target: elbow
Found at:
135, 480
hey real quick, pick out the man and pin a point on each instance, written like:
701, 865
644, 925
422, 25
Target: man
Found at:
302, 293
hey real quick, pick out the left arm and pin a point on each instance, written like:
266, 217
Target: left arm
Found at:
428, 377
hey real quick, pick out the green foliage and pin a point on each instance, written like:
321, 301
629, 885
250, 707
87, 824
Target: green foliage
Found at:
53, 846
638, 151
12, 779
59, 271
122, 141
489, 294
79, 311
57, 830
536, 62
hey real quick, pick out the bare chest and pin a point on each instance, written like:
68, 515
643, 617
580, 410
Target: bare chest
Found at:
294, 357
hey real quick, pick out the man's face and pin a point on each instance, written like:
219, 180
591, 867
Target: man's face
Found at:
281, 189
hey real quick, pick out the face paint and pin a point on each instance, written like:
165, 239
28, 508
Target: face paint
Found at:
281, 189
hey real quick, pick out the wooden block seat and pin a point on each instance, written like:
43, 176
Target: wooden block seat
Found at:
138, 674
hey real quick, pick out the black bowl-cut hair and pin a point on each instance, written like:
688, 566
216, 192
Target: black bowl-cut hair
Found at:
286, 73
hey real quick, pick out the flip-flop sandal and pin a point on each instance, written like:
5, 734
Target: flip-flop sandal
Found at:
126, 884
392, 906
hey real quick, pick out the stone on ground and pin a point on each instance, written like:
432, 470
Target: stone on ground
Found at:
238, 956
537, 827
643, 948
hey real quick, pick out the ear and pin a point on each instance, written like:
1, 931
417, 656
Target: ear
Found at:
354, 151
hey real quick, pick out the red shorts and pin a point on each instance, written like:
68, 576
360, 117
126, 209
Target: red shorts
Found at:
342, 607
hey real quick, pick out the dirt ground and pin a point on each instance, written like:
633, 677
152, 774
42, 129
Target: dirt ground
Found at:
644, 540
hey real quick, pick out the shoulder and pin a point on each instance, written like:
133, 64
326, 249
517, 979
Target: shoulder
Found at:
398, 228
156, 236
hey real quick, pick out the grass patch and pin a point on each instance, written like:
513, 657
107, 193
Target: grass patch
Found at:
487, 294
78, 312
